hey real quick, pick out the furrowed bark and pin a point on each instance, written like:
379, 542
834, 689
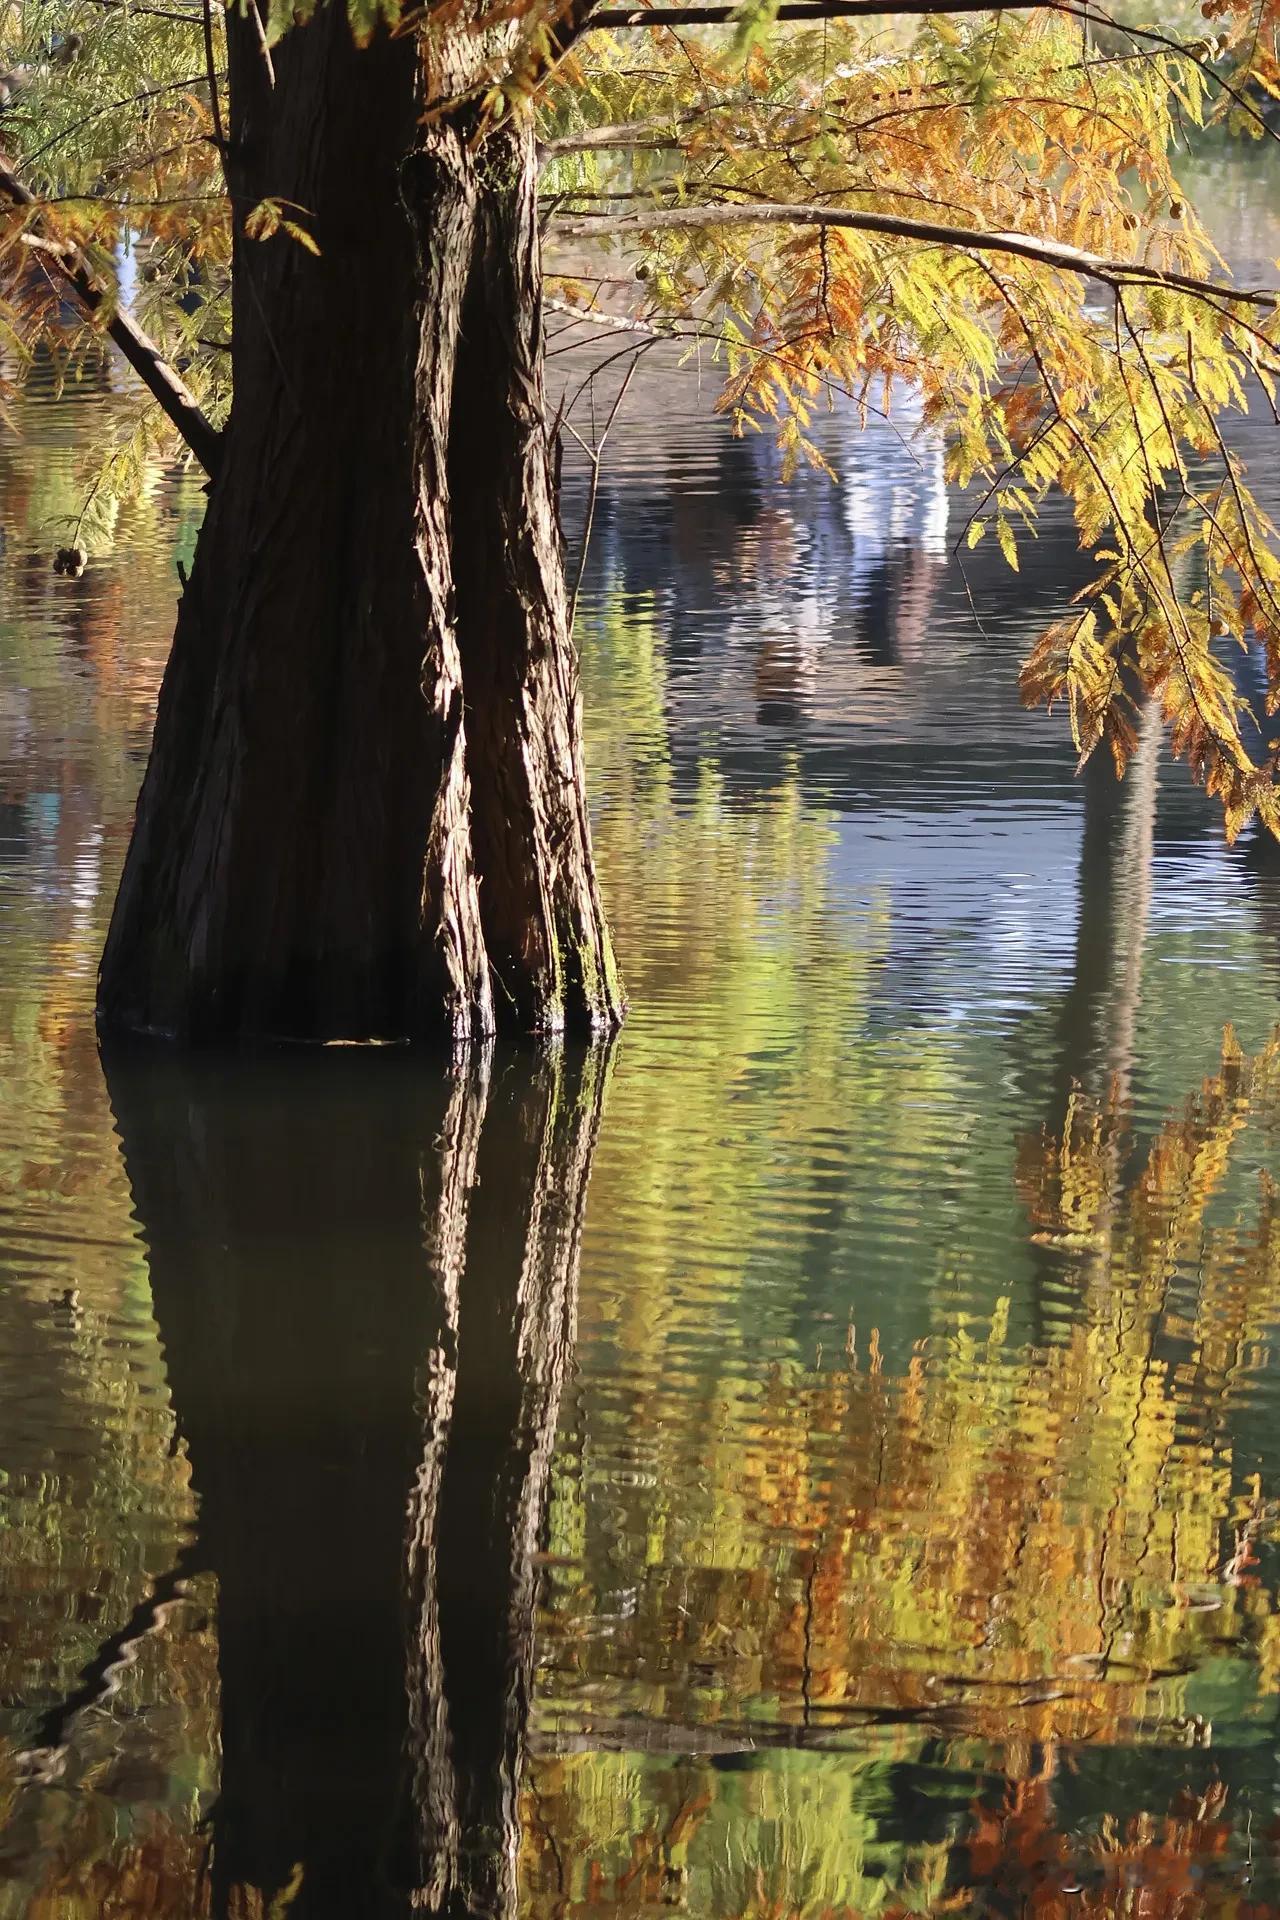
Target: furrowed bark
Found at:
299, 864
364, 813
544, 924
450, 893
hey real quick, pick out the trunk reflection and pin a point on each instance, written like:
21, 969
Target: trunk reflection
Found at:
322, 1290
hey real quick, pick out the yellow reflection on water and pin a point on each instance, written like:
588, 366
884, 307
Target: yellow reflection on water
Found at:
981, 1564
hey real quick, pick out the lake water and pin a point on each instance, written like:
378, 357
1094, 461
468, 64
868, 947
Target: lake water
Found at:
819, 1457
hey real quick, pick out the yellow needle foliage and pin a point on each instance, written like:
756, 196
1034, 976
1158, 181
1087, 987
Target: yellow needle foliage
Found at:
1109, 384
990, 208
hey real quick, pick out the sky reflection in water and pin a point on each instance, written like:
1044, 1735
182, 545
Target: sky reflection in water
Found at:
817, 1459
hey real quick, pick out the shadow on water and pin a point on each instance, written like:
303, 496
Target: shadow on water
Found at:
366, 1374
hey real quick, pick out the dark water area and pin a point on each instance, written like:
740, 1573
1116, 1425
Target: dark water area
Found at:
817, 1457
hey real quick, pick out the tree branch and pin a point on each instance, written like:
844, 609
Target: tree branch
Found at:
716, 16
1089, 12
1048, 253
643, 134
162, 381
184, 18
619, 323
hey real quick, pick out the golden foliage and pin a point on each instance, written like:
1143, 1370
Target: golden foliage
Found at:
1108, 384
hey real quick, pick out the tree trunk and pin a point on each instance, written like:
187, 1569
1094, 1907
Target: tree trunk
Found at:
364, 814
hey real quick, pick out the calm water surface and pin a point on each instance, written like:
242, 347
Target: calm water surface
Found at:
820, 1458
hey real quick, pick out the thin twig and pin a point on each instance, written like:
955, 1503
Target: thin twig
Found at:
264, 45
211, 68
595, 454
700, 335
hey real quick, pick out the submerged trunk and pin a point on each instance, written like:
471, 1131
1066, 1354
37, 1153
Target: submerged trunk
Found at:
364, 814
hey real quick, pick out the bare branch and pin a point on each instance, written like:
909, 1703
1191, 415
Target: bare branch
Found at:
1048, 253
162, 381
617, 323
264, 45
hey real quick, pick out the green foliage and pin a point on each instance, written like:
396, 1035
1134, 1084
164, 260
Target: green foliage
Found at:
755, 18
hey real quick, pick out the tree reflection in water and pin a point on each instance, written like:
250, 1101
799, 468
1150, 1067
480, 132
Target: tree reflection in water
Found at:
979, 1617
323, 1288
936, 1653
364, 1279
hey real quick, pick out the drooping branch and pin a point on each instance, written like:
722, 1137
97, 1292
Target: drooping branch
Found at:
1048, 253
162, 381
595, 454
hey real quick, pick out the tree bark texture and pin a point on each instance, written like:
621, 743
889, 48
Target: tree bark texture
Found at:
364, 814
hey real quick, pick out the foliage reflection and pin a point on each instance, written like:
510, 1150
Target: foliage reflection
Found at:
926, 1622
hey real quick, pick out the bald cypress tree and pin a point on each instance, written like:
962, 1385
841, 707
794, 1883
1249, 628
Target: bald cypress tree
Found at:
365, 812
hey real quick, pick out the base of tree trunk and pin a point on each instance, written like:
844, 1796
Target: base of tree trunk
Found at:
364, 815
